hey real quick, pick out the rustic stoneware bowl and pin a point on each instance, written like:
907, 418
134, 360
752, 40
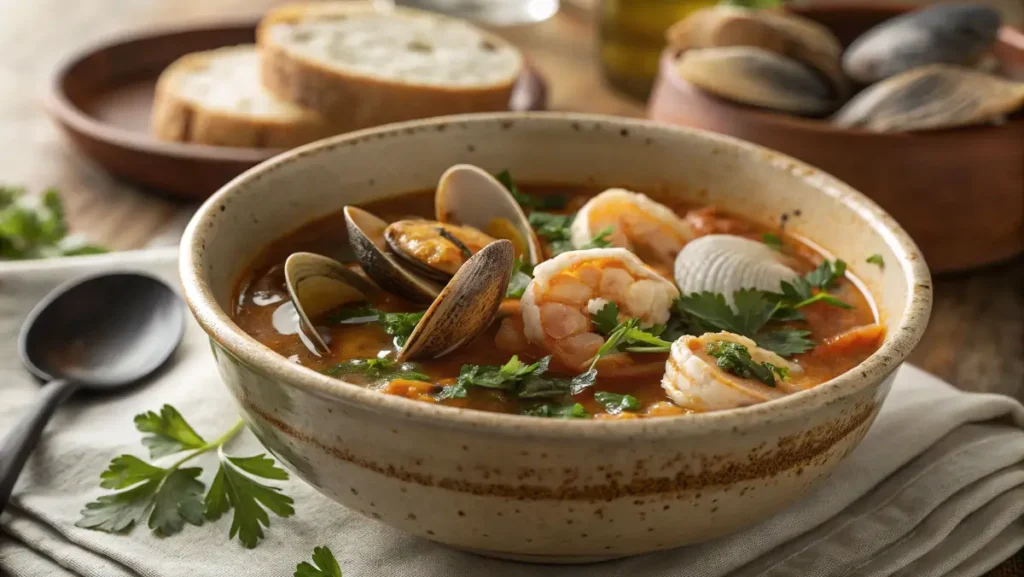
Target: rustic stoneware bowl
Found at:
536, 489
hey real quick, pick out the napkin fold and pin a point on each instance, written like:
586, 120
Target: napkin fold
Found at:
935, 489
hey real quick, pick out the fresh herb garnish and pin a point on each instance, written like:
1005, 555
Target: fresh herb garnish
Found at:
601, 239
827, 274
522, 274
518, 379
606, 319
785, 342
324, 565
378, 370
615, 403
547, 201
166, 498
36, 228
466, 253
628, 336
551, 411
735, 358
398, 325
553, 228
876, 259
773, 240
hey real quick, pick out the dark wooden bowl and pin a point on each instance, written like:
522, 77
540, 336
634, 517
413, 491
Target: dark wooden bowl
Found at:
960, 193
102, 99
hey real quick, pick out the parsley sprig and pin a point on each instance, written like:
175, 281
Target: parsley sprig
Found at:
166, 498
735, 358
615, 403
398, 325
546, 202
36, 227
554, 228
524, 381
379, 370
324, 565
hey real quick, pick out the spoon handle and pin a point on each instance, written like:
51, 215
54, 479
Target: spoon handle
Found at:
23, 438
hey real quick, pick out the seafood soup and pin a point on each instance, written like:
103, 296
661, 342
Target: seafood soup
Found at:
557, 301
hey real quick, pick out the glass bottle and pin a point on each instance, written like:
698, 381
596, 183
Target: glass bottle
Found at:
631, 36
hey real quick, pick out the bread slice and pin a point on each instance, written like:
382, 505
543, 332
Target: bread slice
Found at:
215, 97
362, 66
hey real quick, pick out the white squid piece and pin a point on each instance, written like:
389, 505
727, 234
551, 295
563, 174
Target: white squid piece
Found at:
565, 290
638, 224
693, 379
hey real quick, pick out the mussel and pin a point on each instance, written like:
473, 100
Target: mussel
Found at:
950, 33
316, 285
932, 97
757, 77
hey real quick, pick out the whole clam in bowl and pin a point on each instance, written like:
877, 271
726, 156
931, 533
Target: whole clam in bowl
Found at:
549, 490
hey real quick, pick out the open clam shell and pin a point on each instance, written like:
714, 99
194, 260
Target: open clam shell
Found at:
757, 77
932, 97
467, 305
316, 285
468, 195
725, 263
431, 249
366, 237
950, 33
782, 33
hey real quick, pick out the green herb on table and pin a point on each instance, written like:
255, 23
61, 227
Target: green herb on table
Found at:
545, 202
553, 411
378, 371
772, 240
324, 565
36, 228
876, 259
166, 498
398, 325
615, 403
600, 240
522, 274
553, 228
735, 358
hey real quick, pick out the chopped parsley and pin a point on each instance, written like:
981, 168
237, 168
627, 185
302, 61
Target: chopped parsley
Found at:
378, 370
773, 240
522, 274
606, 320
876, 259
827, 274
601, 239
547, 201
615, 403
518, 379
735, 358
398, 325
552, 411
554, 228
36, 228
628, 336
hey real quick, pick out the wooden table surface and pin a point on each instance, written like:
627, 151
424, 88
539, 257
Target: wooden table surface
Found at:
976, 336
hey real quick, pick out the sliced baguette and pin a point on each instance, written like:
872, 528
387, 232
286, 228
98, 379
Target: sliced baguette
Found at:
215, 97
363, 66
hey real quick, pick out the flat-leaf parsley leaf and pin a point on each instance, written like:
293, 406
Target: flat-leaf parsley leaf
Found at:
324, 565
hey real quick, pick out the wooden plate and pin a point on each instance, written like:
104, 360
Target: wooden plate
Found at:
958, 192
102, 98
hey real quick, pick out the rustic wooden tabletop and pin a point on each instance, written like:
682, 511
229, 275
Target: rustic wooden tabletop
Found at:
976, 336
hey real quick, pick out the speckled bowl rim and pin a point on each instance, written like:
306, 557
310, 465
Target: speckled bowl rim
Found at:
904, 337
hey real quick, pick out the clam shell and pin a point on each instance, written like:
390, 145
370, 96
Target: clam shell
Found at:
468, 195
757, 77
366, 237
933, 97
954, 33
465, 307
724, 263
783, 33
316, 285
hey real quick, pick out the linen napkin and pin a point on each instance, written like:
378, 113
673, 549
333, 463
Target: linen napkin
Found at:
935, 489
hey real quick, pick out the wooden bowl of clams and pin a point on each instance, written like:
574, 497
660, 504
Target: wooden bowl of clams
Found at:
923, 110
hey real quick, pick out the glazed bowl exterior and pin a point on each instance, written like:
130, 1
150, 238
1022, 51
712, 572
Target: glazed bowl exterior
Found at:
533, 489
922, 178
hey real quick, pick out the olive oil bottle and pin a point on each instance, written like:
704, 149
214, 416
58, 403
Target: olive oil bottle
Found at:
631, 36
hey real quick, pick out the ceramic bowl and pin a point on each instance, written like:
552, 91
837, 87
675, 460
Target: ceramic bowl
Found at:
960, 192
537, 489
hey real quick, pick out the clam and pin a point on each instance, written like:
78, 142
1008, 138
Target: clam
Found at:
932, 97
316, 285
468, 195
725, 263
782, 33
954, 33
466, 305
431, 249
757, 77
366, 237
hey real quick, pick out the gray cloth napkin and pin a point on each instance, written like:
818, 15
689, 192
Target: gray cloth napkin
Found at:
935, 489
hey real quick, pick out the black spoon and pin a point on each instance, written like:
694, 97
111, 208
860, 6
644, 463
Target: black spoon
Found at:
99, 333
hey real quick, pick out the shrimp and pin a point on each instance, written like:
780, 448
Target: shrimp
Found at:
651, 230
567, 289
